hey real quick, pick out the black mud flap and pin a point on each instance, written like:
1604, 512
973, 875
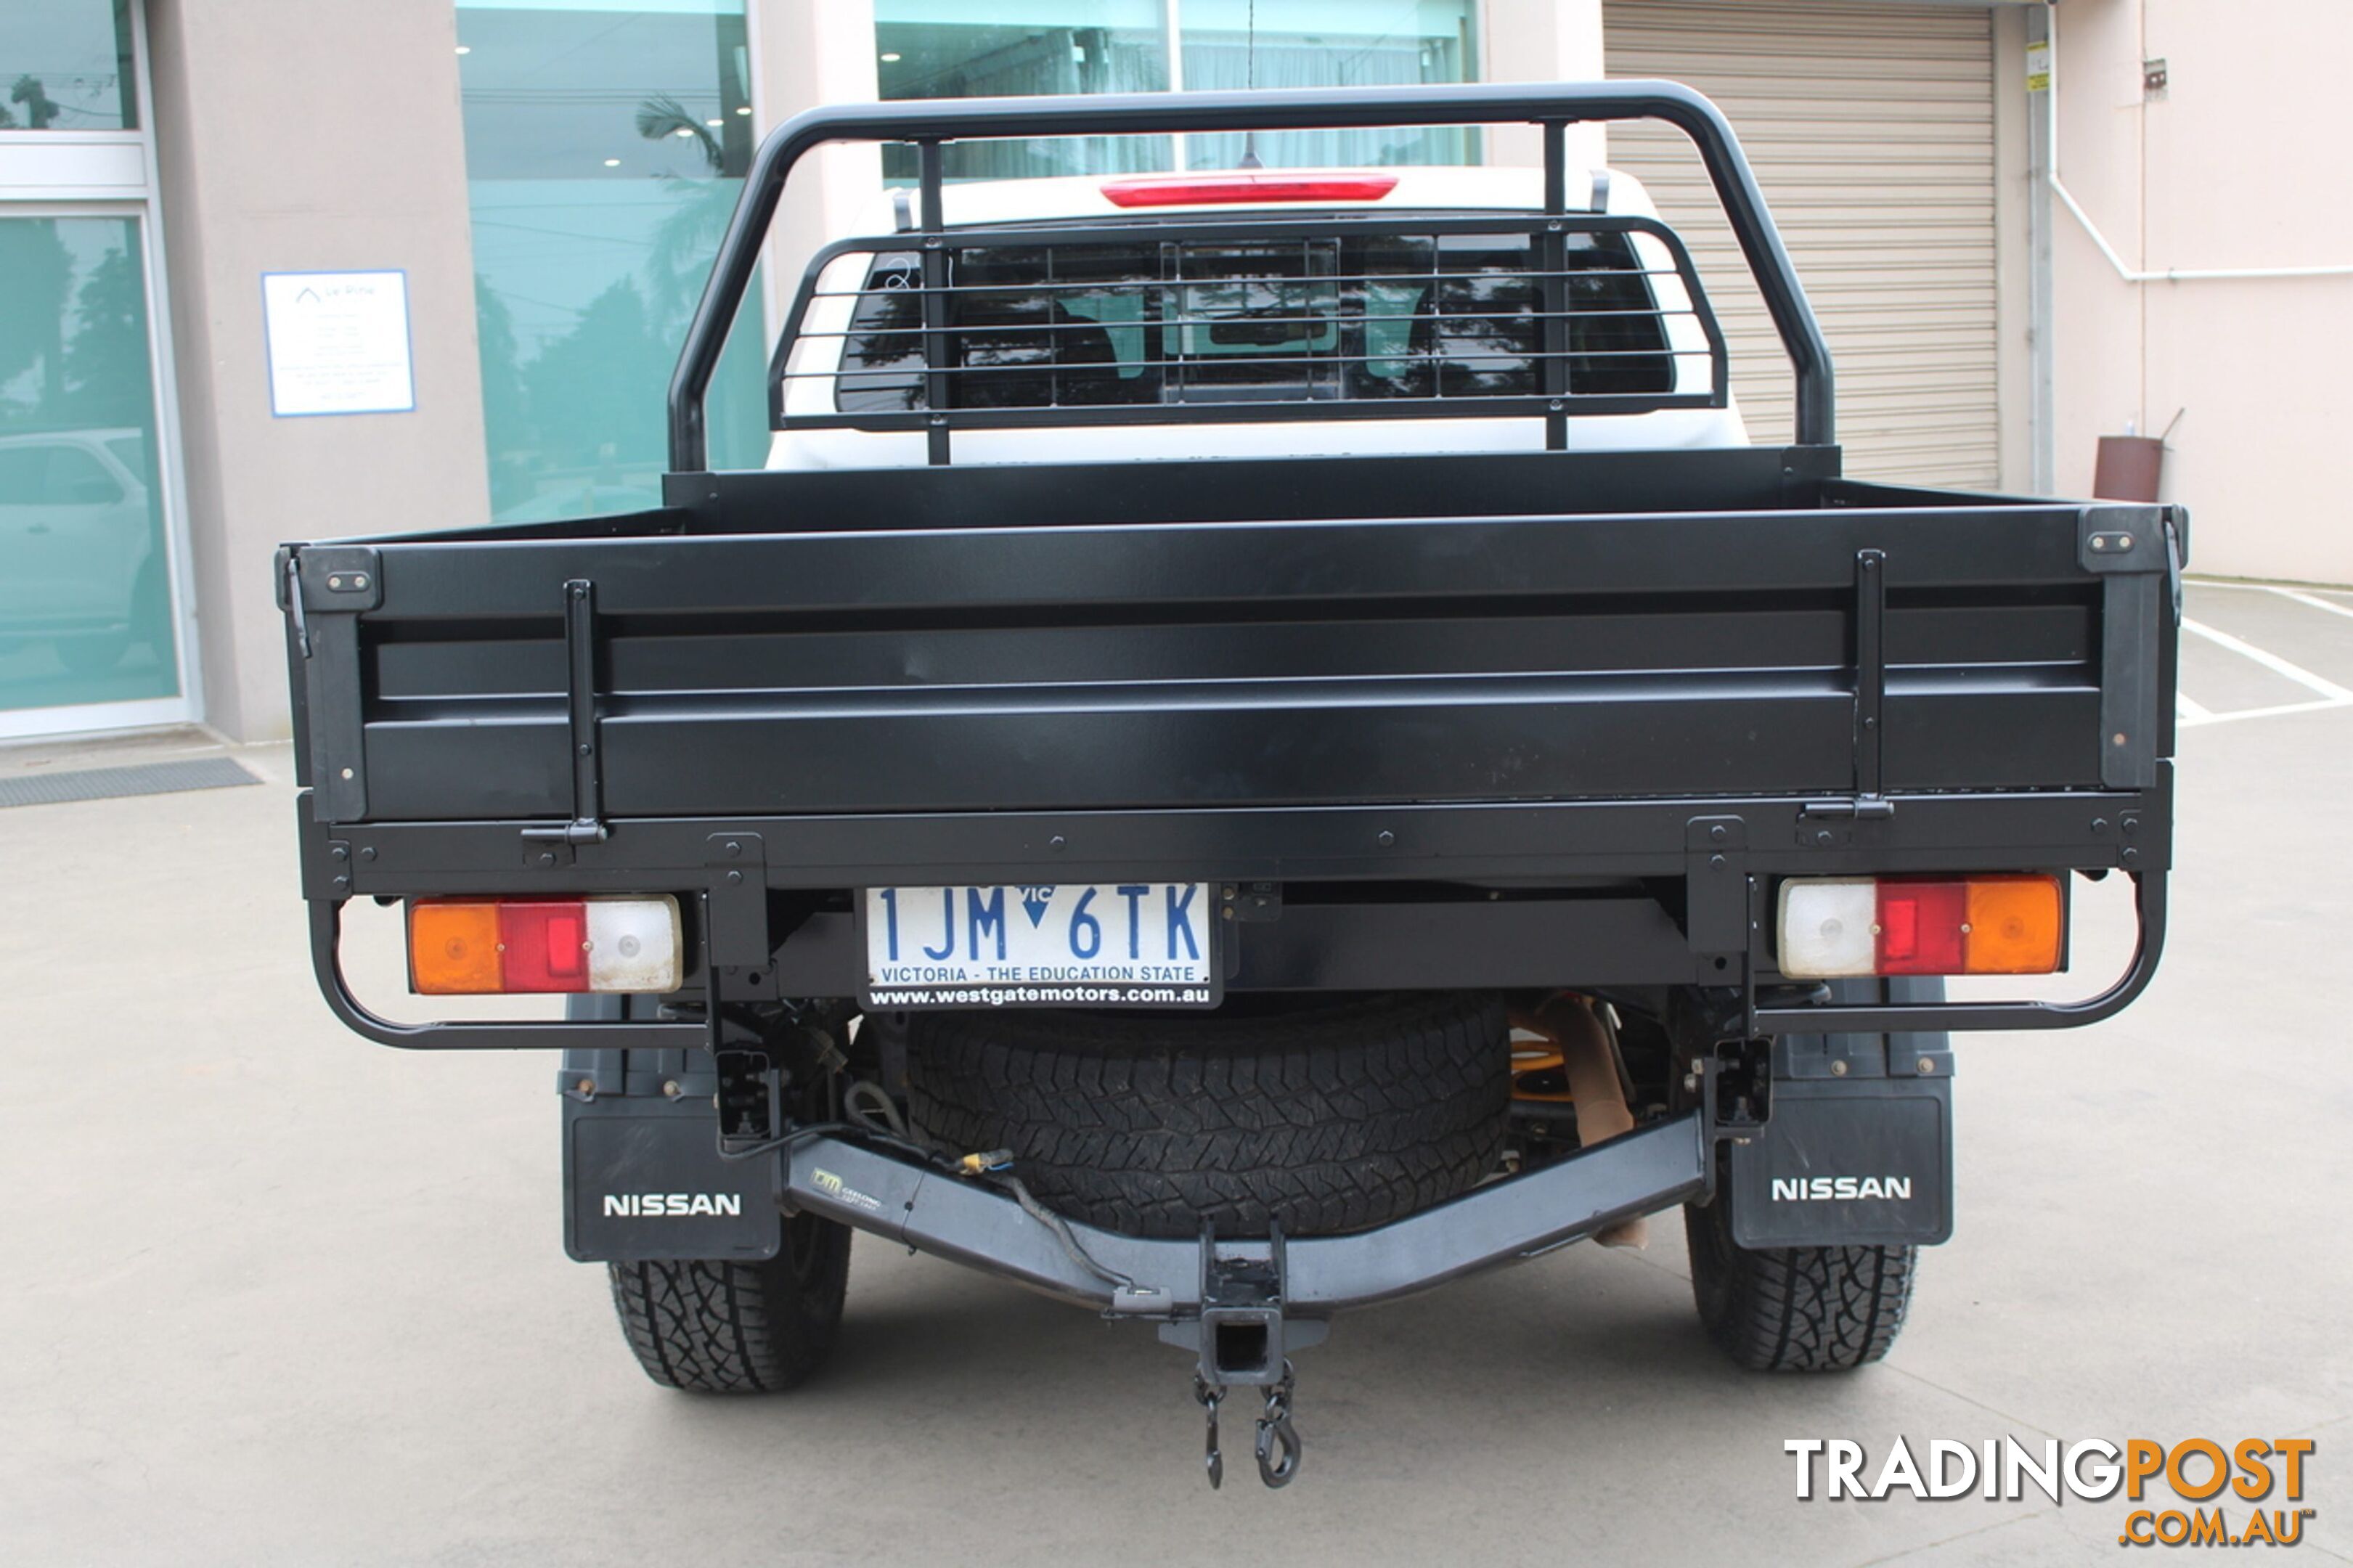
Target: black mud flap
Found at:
643, 1181
1858, 1148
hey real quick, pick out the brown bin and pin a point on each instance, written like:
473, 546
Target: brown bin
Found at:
2129, 467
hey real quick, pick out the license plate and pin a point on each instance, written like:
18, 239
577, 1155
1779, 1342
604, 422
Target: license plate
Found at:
1085, 944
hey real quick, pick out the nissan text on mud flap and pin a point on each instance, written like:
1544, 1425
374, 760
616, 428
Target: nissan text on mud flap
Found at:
1263, 743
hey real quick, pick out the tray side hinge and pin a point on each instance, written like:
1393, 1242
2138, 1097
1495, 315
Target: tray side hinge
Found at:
737, 939
328, 588
2134, 551
1715, 894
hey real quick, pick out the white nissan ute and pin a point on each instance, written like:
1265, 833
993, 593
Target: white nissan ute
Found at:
1122, 325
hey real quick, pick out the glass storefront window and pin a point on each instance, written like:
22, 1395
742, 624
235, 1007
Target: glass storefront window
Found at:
65, 65
1330, 43
956, 48
85, 581
605, 146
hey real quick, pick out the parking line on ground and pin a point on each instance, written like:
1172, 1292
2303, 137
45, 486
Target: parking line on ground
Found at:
2317, 602
2270, 661
2191, 714
2323, 706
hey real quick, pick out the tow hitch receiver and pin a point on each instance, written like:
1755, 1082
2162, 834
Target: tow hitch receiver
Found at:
1243, 1306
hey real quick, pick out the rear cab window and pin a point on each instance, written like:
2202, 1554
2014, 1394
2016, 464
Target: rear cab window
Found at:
1385, 317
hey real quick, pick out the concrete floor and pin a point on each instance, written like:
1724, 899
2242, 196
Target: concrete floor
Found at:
280, 1296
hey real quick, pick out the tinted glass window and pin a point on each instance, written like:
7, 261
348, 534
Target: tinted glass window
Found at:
956, 48
605, 146
65, 65
1411, 316
49, 473
960, 48
77, 479
130, 451
1233, 45
24, 475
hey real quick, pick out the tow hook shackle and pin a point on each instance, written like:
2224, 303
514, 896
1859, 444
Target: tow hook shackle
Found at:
1243, 1336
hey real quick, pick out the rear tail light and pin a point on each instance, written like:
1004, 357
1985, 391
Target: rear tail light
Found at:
2007, 924
472, 947
1196, 190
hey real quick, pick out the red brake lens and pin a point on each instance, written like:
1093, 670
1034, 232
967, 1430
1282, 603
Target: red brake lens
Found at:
546, 946
1921, 925
1193, 190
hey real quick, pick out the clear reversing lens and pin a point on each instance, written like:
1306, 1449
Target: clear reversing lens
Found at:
1829, 928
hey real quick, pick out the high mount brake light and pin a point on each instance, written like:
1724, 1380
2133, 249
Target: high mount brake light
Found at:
1214, 190
473, 947
1832, 927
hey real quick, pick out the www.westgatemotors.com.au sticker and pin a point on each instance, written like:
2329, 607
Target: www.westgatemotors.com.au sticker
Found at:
2239, 1493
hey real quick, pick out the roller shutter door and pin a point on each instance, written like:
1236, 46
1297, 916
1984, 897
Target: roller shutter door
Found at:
1870, 127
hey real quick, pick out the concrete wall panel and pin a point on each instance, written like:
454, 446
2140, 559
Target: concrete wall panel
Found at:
2237, 165
299, 135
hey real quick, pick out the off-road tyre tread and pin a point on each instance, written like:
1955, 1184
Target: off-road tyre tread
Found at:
1797, 1309
1326, 1120
725, 1327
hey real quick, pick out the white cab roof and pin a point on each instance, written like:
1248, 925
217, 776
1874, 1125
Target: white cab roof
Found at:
1420, 188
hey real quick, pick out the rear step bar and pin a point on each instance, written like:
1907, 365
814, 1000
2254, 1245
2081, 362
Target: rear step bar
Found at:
1241, 1306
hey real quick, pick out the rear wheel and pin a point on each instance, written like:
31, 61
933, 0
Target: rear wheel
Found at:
721, 1327
1325, 1117
1795, 1309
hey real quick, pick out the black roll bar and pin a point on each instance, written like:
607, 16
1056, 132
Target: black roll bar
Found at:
1319, 109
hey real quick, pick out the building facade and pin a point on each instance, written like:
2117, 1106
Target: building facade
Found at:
293, 268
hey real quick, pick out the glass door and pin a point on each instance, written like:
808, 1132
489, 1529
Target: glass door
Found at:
92, 636
85, 567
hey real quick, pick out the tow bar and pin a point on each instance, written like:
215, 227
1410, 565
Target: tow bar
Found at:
1243, 1306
